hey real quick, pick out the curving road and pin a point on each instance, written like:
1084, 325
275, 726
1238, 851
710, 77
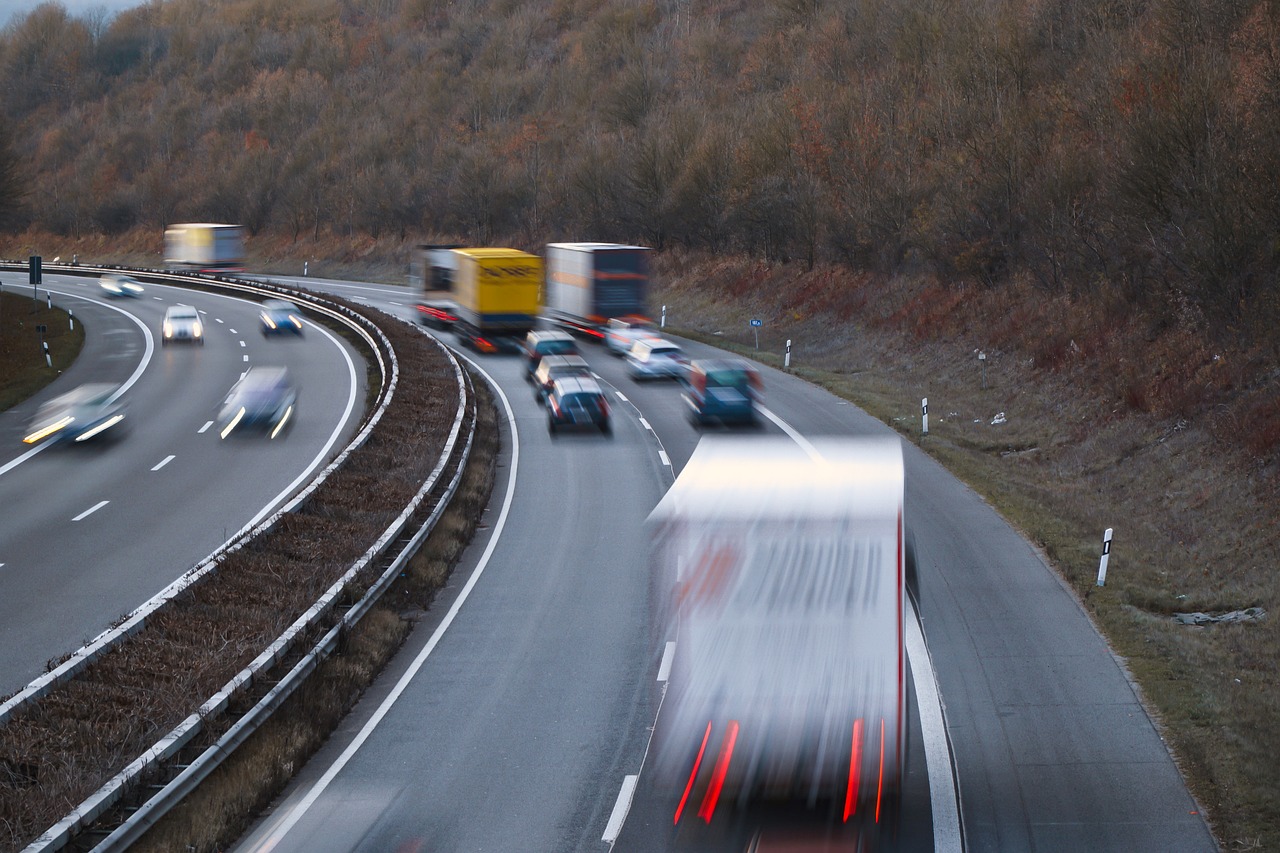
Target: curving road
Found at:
89, 533
518, 715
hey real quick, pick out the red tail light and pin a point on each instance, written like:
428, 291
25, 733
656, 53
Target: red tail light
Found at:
693, 775
722, 770
855, 771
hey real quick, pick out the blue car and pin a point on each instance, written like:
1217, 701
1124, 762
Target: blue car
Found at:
280, 317
89, 413
264, 401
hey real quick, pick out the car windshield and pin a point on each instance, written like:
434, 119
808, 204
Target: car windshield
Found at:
581, 400
182, 313
727, 378
557, 347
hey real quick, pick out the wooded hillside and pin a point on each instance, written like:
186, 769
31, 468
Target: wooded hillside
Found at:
1119, 148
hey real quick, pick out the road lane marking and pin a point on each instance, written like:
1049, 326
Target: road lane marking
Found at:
242, 343
662, 454
622, 397
246, 358
219, 320
645, 424
163, 462
207, 424
232, 331
620, 808
288, 815
397, 304
91, 510
664, 669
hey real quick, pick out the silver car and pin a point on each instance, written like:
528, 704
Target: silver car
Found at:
182, 323
656, 358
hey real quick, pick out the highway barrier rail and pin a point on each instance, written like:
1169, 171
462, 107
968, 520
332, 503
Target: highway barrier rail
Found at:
133, 795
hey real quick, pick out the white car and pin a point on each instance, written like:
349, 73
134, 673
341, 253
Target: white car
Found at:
656, 358
114, 284
622, 332
182, 323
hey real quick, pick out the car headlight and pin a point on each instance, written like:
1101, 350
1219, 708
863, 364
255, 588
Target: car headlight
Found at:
196, 330
168, 329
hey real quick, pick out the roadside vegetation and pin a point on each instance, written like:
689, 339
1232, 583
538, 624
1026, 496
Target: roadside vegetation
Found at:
1084, 192
23, 368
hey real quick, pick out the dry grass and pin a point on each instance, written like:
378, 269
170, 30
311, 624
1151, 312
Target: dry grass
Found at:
23, 370
1110, 423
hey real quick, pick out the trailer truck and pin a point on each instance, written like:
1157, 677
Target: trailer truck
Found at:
778, 586
588, 284
496, 297
204, 246
432, 270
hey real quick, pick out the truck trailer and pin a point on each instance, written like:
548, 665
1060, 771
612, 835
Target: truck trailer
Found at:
432, 270
204, 246
587, 284
496, 297
778, 584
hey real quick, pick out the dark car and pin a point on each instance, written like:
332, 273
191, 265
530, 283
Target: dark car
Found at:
553, 367
723, 390
264, 400
540, 343
577, 402
280, 317
90, 412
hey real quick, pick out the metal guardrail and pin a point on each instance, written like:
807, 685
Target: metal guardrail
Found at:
98, 804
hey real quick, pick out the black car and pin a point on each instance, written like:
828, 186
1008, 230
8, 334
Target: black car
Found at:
577, 402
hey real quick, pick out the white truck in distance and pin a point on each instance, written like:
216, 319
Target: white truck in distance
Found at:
587, 284
204, 246
779, 574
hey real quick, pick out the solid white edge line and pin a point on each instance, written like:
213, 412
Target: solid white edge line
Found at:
207, 424
664, 668
290, 815
163, 462
933, 730
91, 510
620, 808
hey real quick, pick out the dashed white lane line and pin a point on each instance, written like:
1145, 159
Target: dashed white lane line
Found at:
242, 343
620, 808
622, 397
232, 331
246, 358
91, 510
664, 669
397, 304
207, 424
645, 424
219, 320
163, 462
662, 454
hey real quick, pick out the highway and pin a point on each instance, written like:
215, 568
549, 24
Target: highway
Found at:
518, 715
89, 533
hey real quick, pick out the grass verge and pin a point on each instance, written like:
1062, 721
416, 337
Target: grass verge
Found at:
23, 369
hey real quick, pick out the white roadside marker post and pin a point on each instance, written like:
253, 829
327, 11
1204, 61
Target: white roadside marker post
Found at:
786, 361
924, 415
1106, 555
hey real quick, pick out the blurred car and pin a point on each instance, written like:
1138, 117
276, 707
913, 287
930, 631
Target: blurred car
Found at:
115, 284
182, 323
553, 367
577, 402
280, 317
264, 400
622, 332
539, 343
83, 414
723, 390
656, 358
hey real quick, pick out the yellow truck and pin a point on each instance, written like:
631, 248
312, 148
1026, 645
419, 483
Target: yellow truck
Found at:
497, 297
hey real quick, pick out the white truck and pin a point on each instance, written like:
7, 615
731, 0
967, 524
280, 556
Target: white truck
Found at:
778, 585
204, 246
588, 284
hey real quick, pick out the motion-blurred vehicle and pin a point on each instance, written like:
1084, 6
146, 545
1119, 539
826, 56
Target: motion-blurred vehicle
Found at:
577, 402
656, 358
587, 284
182, 323
539, 343
86, 413
264, 400
553, 367
204, 246
496, 298
722, 390
432, 270
621, 332
280, 317
778, 575
115, 284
